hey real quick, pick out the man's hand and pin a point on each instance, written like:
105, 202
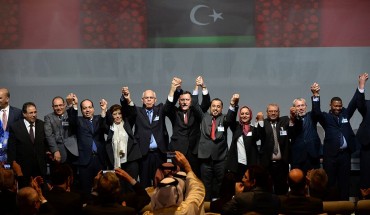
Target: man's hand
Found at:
72, 99
17, 168
362, 80
176, 82
239, 187
259, 116
200, 82
126, 94
182, 161
234, 100
293, 112
124, 175
57, 156
315, 89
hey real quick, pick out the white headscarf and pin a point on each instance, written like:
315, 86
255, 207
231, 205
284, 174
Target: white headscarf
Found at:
119, 144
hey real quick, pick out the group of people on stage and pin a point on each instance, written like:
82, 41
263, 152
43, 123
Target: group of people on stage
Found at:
134, 138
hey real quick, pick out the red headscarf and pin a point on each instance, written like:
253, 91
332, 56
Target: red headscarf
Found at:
246, 126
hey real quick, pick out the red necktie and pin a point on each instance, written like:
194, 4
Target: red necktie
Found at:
213, 130
5, 120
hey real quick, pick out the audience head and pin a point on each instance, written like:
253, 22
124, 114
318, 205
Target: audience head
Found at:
300, 106
185, 101
149, 99
62, 174
336, 105
256, 176
318, 179
108, 187
58, 105
87, 108
297, 181
28, 201
4, 98
7, 180
29, 112
273, 112
169, 192
216, 107
116, 112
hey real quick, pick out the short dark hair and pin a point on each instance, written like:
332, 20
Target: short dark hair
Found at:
92, 103
56, 97
217, 99
115, 107
186, 92
26, 105
60, 174
335, 99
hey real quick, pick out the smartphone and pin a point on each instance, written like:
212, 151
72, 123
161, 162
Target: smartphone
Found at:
7, 166
171, 155
108, 170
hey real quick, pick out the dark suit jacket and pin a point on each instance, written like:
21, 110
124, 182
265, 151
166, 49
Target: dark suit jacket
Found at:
22, 150
186, 136
217, 149
60, 138
297, 204
133, 150
111, 209
15, 114
64, 203
144, 129
305, 140
256, 200
250, 146
335, 126
267, 140
363, 132
85, 136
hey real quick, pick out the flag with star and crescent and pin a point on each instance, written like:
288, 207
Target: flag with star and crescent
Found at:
216, 23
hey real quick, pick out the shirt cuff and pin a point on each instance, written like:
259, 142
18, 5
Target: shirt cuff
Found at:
170, 98
361, 90
205, 91
195, 92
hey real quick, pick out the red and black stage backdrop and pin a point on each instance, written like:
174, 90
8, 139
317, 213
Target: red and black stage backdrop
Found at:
70, 24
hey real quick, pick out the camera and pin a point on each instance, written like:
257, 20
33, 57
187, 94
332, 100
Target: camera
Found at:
171, 155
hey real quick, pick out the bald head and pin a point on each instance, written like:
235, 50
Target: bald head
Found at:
28, 200
297, 180
149, 98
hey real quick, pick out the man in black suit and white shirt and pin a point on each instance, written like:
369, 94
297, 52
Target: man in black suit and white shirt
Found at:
27, 145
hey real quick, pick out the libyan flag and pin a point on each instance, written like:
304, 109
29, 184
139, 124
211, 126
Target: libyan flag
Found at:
190, 23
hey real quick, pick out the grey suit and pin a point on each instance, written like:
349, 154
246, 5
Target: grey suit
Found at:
60, 136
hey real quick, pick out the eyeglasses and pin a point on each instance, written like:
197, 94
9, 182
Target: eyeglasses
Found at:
149, 97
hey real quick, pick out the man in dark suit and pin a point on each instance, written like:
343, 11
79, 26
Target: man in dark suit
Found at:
275, 146
296, 201
150, 131
90, 140
213, 146
305, 142
8, 115
63, 200
27, 145
59, 135
185, 121
340, 140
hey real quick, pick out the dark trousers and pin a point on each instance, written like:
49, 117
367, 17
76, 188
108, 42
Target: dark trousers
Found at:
132, 168
365, 166
308, 164
212, 174
194, 162
338, 169
149, 165
279, 173
87, 174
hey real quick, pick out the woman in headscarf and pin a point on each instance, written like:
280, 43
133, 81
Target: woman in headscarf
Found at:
243, 149
122, 149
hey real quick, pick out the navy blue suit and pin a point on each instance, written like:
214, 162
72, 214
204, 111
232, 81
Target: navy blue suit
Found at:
15, 114
305, 143
337, 160
89, 163
363, 137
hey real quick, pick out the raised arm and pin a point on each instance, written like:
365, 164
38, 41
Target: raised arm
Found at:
358, 99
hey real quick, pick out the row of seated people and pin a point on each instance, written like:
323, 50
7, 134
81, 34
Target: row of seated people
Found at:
177, 193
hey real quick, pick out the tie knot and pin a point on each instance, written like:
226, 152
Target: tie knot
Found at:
31, 125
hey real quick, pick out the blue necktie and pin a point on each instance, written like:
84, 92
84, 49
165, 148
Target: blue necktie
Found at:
153, 143
94, 149
150, 113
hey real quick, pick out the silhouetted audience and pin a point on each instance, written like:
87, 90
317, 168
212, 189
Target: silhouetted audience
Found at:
227, 190
318, 186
